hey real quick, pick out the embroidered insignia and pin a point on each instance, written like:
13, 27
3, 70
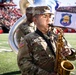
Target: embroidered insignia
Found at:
66, 19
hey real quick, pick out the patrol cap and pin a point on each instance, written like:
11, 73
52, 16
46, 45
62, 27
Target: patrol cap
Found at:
38, 10
41, 10
29, 10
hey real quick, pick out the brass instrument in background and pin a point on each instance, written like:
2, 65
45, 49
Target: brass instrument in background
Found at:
23, 4
62, 66
14, 31
13, 34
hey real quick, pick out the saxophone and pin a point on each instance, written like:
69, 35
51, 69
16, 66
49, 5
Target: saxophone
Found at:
62, 66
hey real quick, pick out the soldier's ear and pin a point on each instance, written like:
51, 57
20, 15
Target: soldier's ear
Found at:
34, 20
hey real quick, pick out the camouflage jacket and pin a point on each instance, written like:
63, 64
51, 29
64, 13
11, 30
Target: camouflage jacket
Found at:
35, 57
24, 29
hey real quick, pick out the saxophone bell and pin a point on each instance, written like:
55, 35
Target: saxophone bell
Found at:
67, 67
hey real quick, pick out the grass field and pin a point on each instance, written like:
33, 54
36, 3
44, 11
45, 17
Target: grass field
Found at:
8, 63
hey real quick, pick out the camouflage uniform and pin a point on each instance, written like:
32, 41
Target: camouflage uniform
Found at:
24, 29
35, 57
27, 26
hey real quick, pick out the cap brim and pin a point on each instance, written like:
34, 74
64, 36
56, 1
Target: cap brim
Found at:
48, 11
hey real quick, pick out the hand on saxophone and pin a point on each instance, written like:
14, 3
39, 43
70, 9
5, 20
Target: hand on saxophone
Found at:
66, 51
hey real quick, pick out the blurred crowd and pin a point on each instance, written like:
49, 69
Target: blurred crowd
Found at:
8, 16
71, 9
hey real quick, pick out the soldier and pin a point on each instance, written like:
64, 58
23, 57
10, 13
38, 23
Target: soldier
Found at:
27, 26
37, 50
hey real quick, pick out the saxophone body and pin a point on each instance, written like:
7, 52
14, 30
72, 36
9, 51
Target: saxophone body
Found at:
62, 66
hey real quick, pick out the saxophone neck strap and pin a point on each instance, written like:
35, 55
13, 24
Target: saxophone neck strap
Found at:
47, 40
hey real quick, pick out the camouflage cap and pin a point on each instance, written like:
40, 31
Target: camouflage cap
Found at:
39, 10
29, 10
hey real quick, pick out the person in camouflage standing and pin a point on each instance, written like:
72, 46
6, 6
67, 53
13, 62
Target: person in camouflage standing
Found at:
27, 26
37, 50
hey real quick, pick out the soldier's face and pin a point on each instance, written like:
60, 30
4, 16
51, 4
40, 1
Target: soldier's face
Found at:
43, 20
